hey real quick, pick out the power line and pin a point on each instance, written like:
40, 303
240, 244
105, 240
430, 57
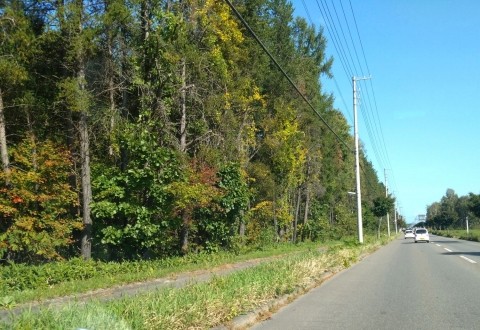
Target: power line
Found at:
247, 26
346, 42
333, 38
332, 30
369, 107
307, 12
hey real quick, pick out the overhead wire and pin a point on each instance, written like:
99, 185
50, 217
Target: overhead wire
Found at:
347, 60
386, 156
371, 83
247, 26
369, 108
331, 29
345, 40
336, 45
307, 12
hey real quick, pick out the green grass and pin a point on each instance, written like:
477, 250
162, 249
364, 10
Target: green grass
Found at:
23, 283
473, 235
201, 306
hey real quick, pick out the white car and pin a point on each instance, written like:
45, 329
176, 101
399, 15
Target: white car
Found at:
409, 234
421, 235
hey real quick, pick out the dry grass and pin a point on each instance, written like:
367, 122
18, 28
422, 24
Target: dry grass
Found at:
202, 306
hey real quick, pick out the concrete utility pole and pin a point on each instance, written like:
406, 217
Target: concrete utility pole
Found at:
357, 160
386, 195
396, 226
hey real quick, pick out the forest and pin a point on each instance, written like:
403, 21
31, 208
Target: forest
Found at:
143, 129
453, 211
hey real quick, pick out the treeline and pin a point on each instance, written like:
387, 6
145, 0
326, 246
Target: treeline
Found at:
452, 211
148, 128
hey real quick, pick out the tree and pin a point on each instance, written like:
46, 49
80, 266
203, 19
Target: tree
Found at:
36, 223
16, 49
474, 204
75, 33
382, 206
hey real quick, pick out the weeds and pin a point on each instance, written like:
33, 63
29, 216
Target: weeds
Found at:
473, 235
24, 283
200, 306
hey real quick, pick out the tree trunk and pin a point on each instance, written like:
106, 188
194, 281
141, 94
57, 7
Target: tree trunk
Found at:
307, 207
183, 119
86, 246
86, 240
145, 22
111, 94
241, 229
275, 222
185, 232
297, 211
124, 114
378, 230
3, 140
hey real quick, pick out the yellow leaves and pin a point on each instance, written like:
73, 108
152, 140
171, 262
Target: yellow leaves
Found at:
38, 201
7, 210
199, 190
263, 210
188, 195
217, 16
290, 153
216, 56
257, 96
25, 223
221, 36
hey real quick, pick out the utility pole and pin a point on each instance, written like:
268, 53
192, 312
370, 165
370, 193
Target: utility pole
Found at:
396, 226
386, 195
357, 160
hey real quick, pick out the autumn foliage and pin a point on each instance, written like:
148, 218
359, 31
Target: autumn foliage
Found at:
37, 206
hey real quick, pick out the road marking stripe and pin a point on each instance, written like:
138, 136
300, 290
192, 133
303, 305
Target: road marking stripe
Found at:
437, 244
469, 260
447, 249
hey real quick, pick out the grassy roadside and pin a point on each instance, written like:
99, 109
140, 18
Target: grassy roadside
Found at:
201, 306
22, 283
473, 235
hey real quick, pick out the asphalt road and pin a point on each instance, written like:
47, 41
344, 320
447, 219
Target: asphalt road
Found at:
404, 285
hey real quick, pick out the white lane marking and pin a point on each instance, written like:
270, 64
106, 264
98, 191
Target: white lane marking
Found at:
447, 249
469, 260
437, 244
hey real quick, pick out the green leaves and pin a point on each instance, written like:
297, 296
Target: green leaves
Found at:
383, 205
474, 204
131, 207
189, 128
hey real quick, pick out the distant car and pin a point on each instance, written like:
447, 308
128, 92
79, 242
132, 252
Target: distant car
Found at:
409, 234
421, 235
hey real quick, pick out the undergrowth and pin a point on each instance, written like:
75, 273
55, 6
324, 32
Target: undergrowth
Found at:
202, 306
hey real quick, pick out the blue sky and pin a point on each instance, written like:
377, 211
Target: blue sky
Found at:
424, 60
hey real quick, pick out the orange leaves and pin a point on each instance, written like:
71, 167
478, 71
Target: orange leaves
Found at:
17, 199
199, 190
49, 163
36, 205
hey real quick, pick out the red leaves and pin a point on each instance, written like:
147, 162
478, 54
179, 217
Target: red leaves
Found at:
17, 199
